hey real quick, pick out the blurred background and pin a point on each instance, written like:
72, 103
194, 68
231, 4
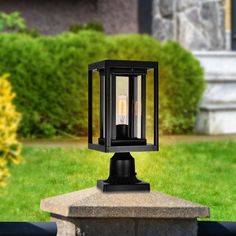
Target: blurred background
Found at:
45, 49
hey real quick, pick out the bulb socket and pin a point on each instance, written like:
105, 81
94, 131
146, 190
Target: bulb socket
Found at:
122, 131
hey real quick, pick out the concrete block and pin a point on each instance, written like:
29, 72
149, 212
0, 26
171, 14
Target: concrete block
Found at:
94, 203
217, 110
91, 212
68, 226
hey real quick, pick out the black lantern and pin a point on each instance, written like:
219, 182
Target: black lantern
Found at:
121, 90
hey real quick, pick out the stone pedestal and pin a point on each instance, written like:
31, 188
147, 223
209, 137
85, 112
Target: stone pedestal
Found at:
90, 212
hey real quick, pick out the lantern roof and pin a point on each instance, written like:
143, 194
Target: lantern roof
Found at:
122, 64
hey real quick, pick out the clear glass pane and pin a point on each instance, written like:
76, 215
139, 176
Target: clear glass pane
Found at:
128, 107
96, 105
150, 106
138, 109
122, 98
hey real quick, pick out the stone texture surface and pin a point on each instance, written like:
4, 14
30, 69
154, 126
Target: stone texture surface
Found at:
90, 212
65, 226
187, 34
197, 25
164, 28
123, 226
152, 227
217, 113
93, 203
166, 8
55, 16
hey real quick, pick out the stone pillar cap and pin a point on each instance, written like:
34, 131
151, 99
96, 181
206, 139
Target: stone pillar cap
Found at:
94, 203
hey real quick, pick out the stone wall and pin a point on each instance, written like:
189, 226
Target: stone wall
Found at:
55, 16
196, 24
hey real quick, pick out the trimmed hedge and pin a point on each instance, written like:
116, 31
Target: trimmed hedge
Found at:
49, 75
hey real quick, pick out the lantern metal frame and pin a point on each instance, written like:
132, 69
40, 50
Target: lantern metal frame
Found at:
110, 69
122, 175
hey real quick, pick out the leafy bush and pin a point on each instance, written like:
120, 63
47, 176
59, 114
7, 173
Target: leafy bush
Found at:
181, 82
13, 21
75, 28
49, 75
181, 87
9, 119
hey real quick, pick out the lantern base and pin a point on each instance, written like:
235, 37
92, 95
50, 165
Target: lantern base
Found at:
104, 186
122, 175
124, 142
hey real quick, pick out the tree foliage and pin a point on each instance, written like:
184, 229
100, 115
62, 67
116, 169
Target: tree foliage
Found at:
9, 119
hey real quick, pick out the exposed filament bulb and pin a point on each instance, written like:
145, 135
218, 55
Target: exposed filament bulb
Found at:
122, 110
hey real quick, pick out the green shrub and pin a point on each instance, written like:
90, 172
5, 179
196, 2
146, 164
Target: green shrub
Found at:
181, 80
181, 87
75, 28
9, 118
12, 22
33, 32
49, 75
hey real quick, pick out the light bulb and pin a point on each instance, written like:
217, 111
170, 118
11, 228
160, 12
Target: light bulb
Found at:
122, 110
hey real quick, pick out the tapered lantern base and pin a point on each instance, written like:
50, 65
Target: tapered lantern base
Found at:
122, 176
104, 186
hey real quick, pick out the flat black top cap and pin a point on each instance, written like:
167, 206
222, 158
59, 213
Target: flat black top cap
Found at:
122, 64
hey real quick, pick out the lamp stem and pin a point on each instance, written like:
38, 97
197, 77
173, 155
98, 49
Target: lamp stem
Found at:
122, 169
122, 175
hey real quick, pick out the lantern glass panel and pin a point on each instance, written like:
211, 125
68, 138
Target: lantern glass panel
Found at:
128, 107
138, 109
96, 105
150, 106
122, 102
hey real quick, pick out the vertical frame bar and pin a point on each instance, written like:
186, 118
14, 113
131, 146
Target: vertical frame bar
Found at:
132, 100
90, 108
101, 73
156, 94
107, 108
143, 107
113, 112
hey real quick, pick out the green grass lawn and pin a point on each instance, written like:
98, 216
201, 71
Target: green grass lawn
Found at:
201, 172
